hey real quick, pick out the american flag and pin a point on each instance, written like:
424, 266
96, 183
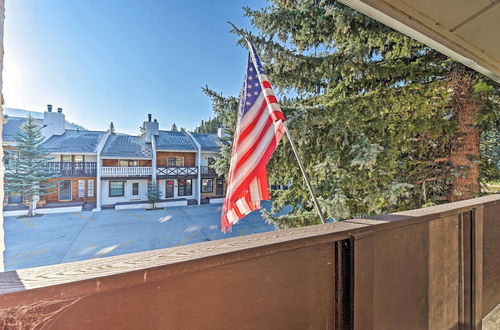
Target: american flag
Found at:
258, 132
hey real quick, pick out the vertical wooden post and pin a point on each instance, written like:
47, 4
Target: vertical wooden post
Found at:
471, 268
362, 264
477, 267
342, 287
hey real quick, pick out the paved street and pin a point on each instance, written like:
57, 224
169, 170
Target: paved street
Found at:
65, 237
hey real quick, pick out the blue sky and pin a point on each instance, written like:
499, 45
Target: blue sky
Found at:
117, 60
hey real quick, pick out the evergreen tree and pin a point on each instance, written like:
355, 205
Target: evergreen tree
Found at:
174, 128
371, 117
27, 172
225, 109
142, 129
209, 126
153, 194
111, 128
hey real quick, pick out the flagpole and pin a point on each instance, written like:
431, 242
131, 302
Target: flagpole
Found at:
306, 178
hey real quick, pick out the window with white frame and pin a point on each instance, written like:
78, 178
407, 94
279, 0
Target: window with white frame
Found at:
116, 188
207, 185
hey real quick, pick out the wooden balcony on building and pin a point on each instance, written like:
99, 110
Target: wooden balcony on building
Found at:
73, 169
134, 171
431, 268
177, 172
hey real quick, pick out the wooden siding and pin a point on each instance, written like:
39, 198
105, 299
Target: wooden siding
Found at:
109, 162
54, 196
432, 268
144, 162
162, 158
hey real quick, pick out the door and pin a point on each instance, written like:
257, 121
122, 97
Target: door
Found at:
169, 190
65, 190
219, 187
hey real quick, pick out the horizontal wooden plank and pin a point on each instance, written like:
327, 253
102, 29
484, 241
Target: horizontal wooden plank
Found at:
287, 290
233, 249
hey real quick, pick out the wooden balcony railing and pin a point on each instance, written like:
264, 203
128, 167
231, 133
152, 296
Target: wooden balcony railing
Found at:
432, 268
177, 171
68, 169
126, 171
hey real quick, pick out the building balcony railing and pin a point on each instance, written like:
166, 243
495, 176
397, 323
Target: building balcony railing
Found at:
73, 169
126, 171
177, 171
208, 171
435, 267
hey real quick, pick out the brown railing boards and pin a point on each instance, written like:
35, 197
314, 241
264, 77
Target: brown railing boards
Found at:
436, 267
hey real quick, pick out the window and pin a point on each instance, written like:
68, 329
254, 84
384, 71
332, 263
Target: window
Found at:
65, 190
175, 161
66, 158
219, 187
128, 163
90, 188
185, 188
207, 185
81, 188
210, 161
135, 188
116, 188
14, 198
78, 159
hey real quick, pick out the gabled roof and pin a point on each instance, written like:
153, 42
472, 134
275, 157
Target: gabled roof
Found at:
208, 142
171, 141
13, 125
127, 146
74, 141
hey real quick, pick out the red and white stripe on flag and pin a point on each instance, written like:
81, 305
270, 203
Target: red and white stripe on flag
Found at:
259, 130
